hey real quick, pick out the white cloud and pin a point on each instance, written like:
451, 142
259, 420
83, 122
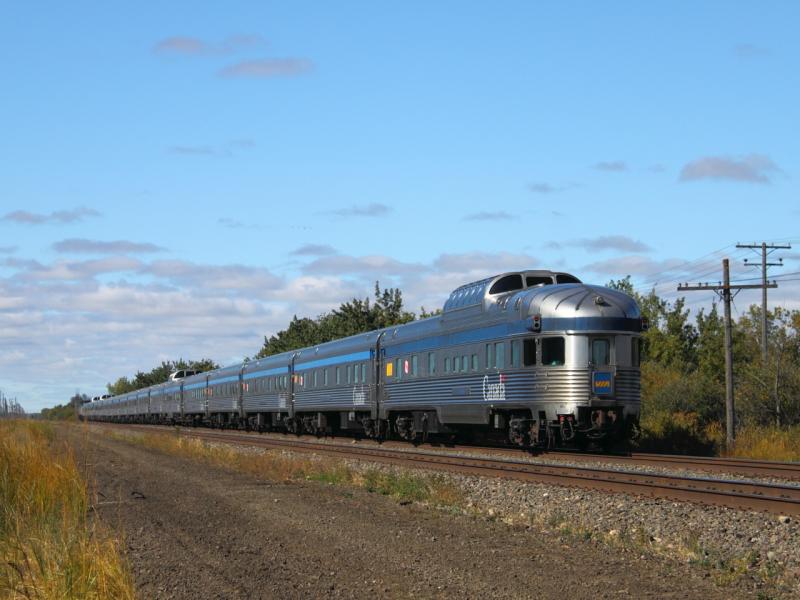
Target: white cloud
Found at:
753, 168
611, 242
635, 265
59, 216
499, 215
313, 250
184, 45
267, 68
84, 246
373, 209
611, 165
364, 266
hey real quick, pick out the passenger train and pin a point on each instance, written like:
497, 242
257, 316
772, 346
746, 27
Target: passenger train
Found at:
534, 357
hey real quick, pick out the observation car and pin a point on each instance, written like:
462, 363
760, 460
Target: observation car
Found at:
535, 357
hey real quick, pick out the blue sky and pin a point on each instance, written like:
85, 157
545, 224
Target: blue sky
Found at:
178, 181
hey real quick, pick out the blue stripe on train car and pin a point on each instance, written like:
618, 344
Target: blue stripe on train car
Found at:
266, 372
333, 360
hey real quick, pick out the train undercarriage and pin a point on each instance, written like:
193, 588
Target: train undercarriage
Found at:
590, 429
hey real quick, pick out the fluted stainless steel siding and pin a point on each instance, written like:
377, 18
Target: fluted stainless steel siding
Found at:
552, 385
269, 401
342, 398
194, 405
222, 403
529, 386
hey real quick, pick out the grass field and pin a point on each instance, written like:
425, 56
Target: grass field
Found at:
279, 466
50, 547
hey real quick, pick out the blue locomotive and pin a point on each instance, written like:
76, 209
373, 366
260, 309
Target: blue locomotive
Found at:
535, 357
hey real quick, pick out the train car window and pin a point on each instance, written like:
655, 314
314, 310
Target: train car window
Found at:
414, 365
532, 281
474, 362
456, 364
635, 351
500, 355
564, 278
349, 374
315, 378
356, 374
465, 363
364, 373
447, 364
553, 351
338, 375
507, 284
601, 352
431, 363
515, 353
325, 377
489, 356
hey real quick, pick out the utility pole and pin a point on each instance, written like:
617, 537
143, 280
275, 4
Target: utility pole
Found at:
724, 290
764, 247
764, 319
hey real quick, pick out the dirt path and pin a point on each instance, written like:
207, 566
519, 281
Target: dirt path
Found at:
196, 532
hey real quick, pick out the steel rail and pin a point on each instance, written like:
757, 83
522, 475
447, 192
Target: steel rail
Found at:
743, 495
733, 466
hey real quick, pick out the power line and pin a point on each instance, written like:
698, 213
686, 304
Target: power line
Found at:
688, 263
780, 277
697, 268
702, 268
724, 290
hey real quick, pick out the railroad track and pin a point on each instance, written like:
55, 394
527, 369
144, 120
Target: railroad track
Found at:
744, 495
733, 466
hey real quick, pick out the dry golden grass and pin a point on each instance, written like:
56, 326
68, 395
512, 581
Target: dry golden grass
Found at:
49, 548
683, 433
280, 466
767, 443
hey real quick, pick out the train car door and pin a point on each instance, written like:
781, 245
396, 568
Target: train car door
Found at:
378, 359
290, 396
206, 393
240, 406
601, 365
